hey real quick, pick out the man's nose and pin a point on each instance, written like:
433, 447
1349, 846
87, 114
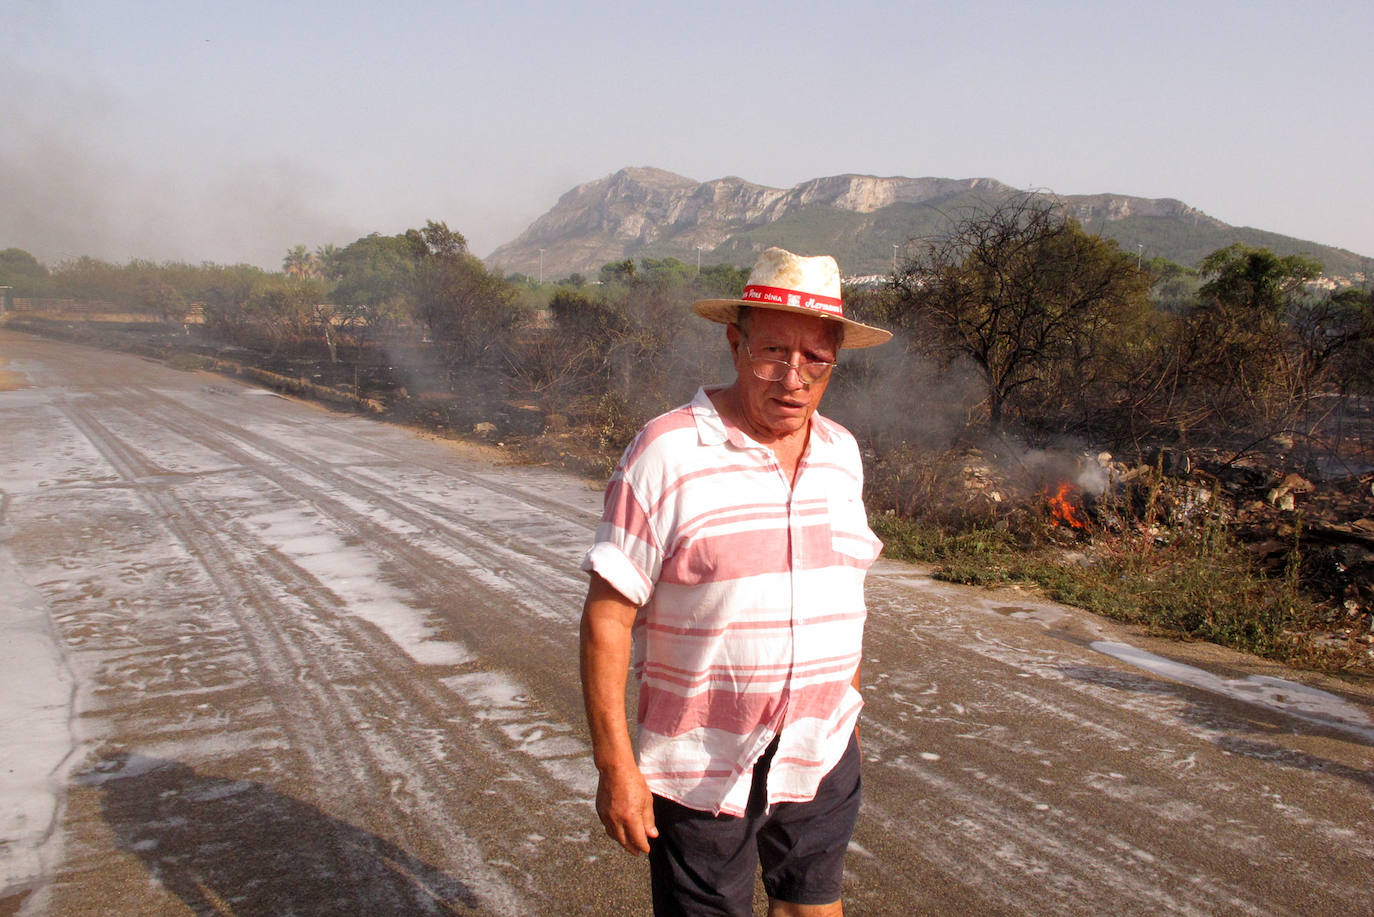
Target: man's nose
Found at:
792, 380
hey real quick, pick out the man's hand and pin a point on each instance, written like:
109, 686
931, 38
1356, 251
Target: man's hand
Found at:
626, 807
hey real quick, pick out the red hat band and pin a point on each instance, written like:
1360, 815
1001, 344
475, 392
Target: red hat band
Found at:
794, 298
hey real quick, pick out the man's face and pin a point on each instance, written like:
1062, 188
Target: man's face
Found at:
776, 409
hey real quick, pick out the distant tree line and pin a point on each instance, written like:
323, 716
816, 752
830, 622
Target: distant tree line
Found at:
1016, 320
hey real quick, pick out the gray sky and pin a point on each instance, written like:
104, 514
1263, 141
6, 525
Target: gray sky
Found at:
228, 132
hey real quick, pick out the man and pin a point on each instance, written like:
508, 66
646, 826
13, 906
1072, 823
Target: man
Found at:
729, 564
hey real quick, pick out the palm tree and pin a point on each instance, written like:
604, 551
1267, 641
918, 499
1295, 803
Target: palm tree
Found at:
324, 260
299, 262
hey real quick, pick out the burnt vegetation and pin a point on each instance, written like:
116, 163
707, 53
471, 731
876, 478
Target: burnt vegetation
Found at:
1186, 447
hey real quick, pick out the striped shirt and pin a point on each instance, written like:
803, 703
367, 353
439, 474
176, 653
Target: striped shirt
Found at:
751, 615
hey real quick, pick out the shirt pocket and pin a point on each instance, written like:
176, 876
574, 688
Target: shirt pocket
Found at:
850, 535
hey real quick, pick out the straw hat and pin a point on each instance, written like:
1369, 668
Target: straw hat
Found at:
806, 285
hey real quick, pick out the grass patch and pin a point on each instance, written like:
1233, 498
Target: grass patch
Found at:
1194, 582
976, 557
188, 362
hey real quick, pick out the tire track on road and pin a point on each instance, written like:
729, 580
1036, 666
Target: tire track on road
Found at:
430, 551
315, 713
533, 573
521, 733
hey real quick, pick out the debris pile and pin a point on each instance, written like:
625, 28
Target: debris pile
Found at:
1320, 530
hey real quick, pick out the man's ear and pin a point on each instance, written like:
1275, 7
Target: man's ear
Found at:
733, 335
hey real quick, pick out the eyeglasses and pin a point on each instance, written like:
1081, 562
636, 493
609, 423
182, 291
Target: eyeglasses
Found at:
776, 370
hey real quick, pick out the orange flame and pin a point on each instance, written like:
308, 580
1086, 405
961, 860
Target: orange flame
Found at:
1062, 511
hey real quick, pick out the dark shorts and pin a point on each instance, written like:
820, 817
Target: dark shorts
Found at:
705, 864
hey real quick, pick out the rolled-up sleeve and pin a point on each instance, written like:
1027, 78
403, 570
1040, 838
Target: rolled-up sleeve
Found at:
611, 563
626, 552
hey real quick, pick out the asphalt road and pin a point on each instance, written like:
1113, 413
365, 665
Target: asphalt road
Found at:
323, 665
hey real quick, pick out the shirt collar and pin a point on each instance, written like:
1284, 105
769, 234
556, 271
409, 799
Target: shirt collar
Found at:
713, 430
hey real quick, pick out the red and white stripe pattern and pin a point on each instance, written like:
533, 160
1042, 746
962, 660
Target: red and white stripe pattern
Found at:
752, 607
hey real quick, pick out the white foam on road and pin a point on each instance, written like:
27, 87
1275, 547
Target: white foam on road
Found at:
35, 729
353, 575
503, 700
1310, 704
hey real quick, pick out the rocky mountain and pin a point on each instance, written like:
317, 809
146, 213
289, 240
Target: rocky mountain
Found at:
650, 213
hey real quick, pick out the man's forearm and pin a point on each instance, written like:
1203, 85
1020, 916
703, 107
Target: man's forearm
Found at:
607, 619
623, 800
604, 663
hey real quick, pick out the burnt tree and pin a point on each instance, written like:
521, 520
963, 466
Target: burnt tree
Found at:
1018, 288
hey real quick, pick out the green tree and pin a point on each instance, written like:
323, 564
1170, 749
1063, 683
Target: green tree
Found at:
161, 297
283, 308
666, 272
225, 292
617, 272
468, 311
375, 272
436, 240
721, 281
1173, 287
23, 273
90, 279
1250, 355
1254, 284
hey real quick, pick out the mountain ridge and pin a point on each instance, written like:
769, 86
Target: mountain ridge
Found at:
864, 220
